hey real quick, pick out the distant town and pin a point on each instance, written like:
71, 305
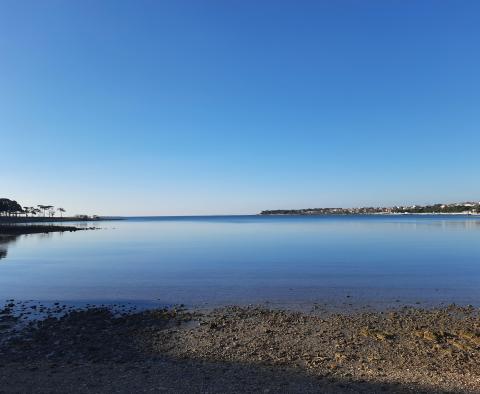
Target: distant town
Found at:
464, 208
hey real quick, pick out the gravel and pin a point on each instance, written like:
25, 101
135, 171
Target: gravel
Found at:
243, 349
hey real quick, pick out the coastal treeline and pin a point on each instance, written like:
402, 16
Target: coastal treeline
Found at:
469, 208
13, 208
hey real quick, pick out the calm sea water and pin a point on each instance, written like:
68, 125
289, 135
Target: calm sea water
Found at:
288, 261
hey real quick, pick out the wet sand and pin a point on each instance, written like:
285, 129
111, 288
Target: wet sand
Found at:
242, 349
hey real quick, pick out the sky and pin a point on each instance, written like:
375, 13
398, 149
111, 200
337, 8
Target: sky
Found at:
119, 107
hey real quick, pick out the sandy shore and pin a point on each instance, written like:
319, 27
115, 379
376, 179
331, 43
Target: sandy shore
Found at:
240, 349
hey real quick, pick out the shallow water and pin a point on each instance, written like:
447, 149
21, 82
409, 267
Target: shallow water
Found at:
286, 260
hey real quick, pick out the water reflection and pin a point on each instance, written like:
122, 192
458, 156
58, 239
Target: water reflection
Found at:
250, 259
4, 241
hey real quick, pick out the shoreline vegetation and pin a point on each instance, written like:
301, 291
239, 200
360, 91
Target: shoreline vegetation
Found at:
465, 208
239, 349
12, 212
17, 220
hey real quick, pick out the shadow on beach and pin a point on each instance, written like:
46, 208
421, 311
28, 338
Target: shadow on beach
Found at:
181, 376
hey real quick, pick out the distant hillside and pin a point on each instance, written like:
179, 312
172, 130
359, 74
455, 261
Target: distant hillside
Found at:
468, 208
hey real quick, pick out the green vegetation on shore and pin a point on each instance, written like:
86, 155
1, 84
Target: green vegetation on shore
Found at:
13, 208
12, 211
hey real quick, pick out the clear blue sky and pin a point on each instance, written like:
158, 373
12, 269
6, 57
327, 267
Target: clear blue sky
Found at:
197, 107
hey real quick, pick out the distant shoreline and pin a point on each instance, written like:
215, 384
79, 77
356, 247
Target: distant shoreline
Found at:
462, 208
374, 214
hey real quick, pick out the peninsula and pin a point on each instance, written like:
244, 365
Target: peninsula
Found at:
12, 212
17, 220
465, 208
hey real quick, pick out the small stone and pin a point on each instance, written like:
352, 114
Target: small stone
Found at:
459, 345
432, 336
470, 336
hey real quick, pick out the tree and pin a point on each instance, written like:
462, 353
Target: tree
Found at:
30, 211
9, 207
26, 211
44, 208
62, 211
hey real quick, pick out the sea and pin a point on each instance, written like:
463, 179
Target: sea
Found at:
295, 262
